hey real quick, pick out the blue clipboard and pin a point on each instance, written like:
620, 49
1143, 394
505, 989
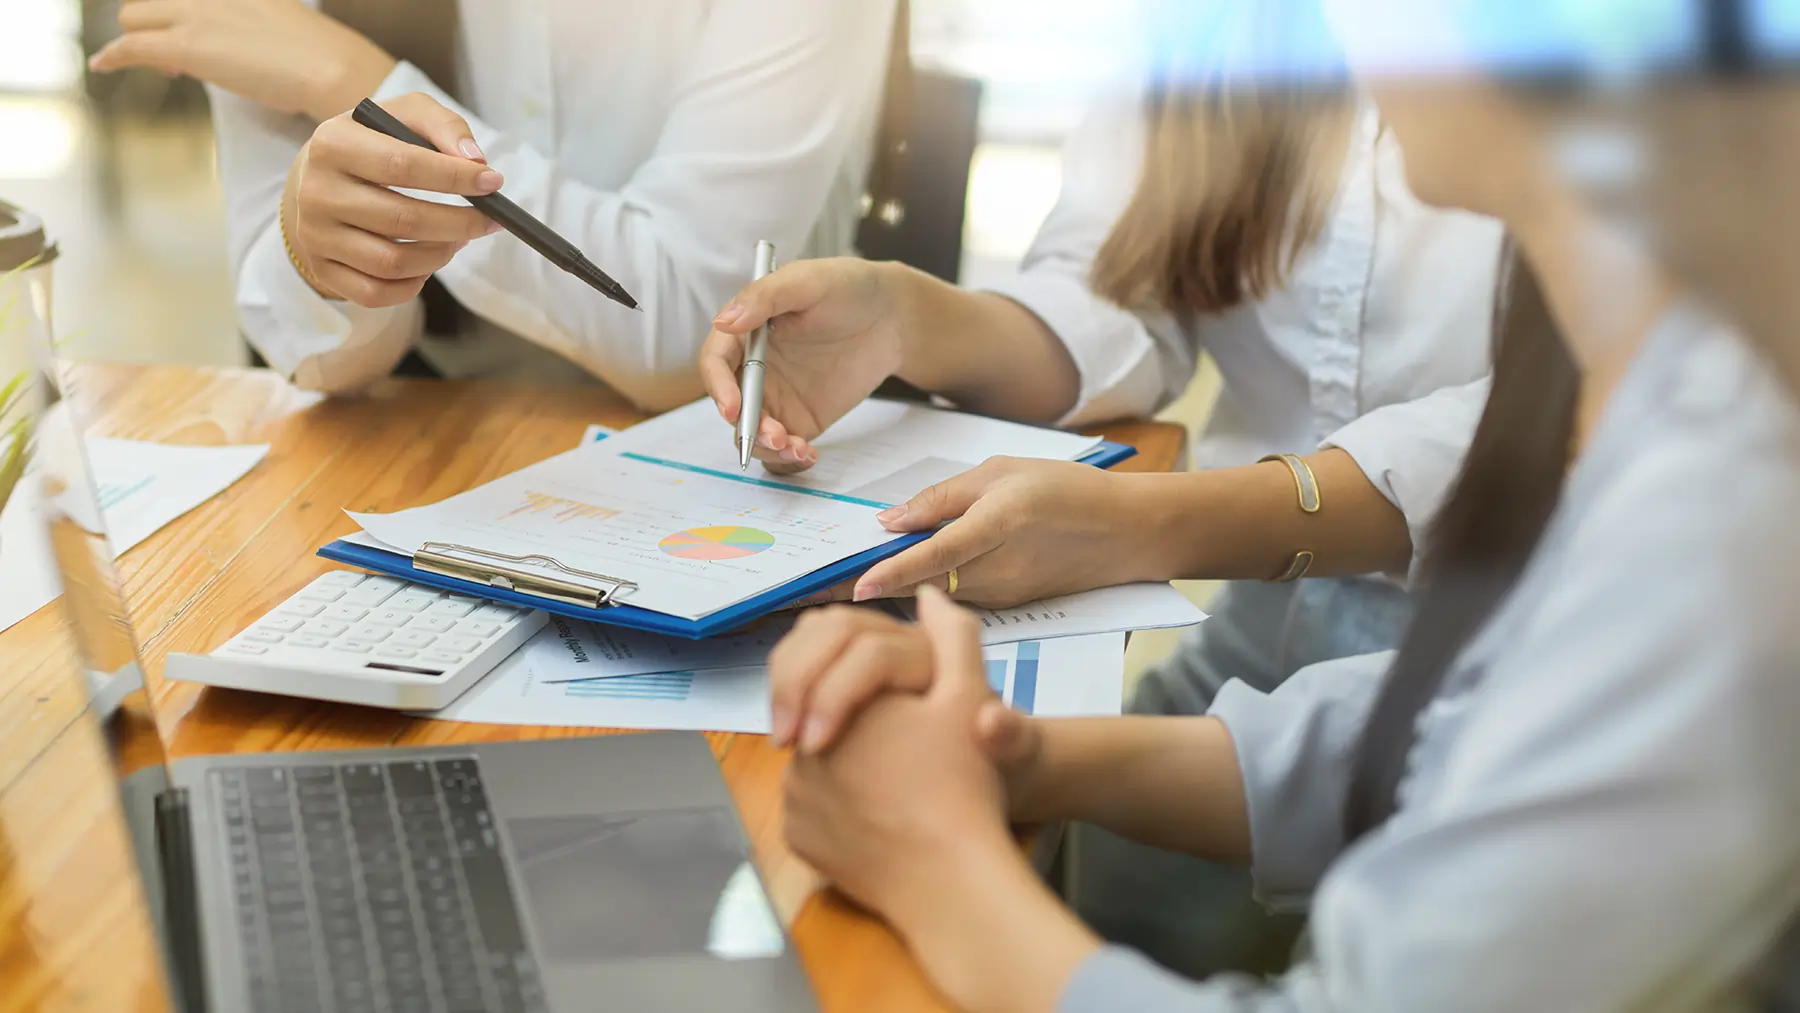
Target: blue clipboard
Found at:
725, 620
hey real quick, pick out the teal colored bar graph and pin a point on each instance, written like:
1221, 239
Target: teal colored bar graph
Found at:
1025, 675
996, 676
671, 686
1016, 680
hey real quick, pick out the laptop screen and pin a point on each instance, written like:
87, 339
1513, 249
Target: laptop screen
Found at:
92, 601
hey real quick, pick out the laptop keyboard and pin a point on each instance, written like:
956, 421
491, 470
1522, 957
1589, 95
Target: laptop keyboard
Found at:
373, 886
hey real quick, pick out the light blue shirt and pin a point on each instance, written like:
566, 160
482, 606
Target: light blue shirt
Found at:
1602, 811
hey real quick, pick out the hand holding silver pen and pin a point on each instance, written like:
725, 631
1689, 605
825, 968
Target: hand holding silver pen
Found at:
751, 379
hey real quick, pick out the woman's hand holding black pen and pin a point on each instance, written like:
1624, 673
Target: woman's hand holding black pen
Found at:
360, 240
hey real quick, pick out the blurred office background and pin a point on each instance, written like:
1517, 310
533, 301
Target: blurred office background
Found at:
121, 168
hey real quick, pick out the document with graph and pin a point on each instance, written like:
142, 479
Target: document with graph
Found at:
1067, 677
664, 506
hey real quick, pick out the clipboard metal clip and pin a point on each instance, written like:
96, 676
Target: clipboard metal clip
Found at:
436, 557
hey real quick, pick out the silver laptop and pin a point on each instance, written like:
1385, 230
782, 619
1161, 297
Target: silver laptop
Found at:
573, 874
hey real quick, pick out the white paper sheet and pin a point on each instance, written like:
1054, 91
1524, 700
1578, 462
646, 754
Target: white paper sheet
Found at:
1119, 609
573, 650
664, 504
144, 486
692, 543
1068, 677
884, 451
141, 488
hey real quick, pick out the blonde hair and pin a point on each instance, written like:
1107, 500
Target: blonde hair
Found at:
1234, 186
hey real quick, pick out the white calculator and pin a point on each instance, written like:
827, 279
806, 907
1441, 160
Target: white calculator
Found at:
360, 638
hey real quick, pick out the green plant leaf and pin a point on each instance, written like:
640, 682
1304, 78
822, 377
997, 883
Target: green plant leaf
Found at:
18, 452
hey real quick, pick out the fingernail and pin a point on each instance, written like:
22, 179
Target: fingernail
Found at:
493, 227
823, 597
488, 181
781, 727
471, 150
864, 592
768, 442
790, 455
814, 736
891, 514
97, 60
729, 315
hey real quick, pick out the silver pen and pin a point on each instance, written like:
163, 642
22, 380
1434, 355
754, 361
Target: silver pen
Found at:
751, 379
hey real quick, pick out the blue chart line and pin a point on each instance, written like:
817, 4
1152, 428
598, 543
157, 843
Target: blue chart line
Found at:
111, 495
670, 686
753, 480
1016, 680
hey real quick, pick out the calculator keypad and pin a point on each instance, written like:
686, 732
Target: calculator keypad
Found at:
350, 618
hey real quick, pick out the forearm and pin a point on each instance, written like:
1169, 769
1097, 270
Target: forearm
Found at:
1246, 523
989, 934
1173, 783
983, 351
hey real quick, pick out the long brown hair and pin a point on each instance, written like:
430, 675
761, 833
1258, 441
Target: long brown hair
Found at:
1235, 183
1479, 544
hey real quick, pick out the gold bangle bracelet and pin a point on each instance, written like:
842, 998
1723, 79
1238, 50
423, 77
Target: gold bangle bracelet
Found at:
1306, 485
294, 258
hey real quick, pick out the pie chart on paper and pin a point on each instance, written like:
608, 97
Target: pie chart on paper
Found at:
726, 541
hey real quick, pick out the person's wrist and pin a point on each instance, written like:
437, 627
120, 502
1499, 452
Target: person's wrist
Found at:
286, 219
906, 291
351, 75
1028, 802
1152, 513
922, 898
992, 937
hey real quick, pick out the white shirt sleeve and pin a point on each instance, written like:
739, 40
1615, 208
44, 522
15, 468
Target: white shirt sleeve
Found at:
1296, 748
1413, 452
768, 108
1130, 365
324, 344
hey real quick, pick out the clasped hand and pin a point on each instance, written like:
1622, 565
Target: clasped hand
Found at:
932, 760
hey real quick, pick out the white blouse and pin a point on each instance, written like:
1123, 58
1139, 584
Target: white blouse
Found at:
664, 139
1378, 344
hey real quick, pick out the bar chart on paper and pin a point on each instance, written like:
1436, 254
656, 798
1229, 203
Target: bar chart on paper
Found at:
1015, 678
560, 510
672, 686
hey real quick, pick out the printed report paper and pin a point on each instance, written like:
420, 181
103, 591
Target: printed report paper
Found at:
663, 505
1067, 677
141, 488
1147, 606
573, 650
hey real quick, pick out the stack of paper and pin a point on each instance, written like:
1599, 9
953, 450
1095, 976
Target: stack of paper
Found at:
664, 505
1066, 677
570, 650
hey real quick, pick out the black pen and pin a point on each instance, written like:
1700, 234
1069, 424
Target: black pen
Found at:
513, 218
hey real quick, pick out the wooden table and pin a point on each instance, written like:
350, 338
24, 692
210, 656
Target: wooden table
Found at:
72, 929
